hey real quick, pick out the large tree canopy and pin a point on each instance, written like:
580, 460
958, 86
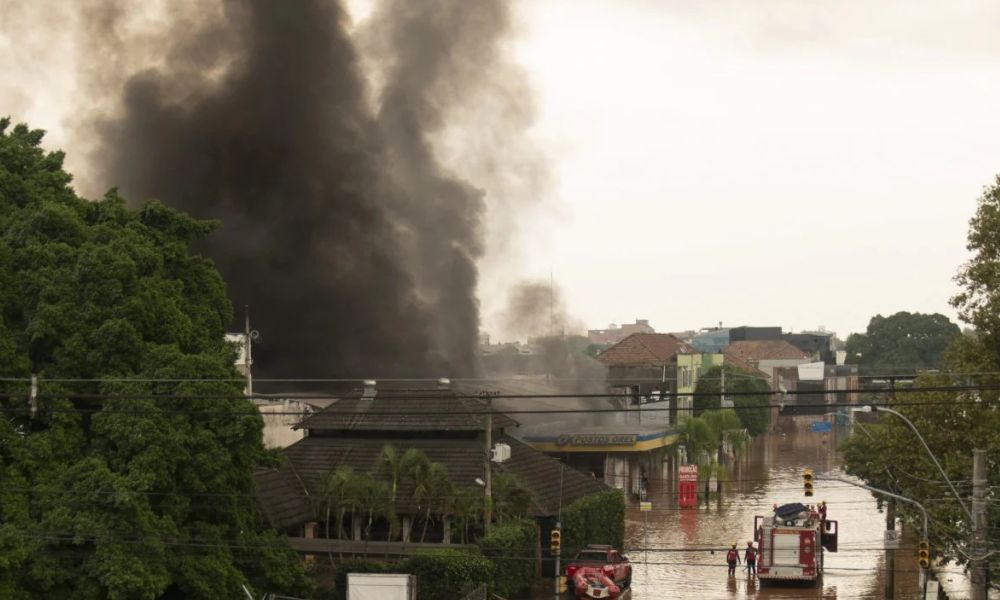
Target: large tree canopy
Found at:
753, 410
902, 343
888, 455
120, 479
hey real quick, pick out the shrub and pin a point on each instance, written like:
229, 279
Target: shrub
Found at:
594, 519
447, 574
511, 547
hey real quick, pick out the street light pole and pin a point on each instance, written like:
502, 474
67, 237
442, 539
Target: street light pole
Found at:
873, 408
923, 571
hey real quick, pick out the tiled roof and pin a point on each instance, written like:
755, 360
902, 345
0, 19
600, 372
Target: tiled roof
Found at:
405, 410
645, 349
764, 350
283, 497
314, 456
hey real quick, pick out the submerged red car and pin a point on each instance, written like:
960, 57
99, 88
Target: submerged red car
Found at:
591, 582
608, 561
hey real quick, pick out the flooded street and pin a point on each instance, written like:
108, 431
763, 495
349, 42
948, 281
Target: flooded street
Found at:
686, 556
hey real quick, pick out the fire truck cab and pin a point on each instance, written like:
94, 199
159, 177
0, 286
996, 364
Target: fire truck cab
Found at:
791, 542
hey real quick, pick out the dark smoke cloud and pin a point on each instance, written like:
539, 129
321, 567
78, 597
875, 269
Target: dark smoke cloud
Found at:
433, 54
354, 248
537, 309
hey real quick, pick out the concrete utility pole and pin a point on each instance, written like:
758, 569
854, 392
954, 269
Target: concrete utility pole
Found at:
722, 386
488, 472
247, 341
890, 554
978, 562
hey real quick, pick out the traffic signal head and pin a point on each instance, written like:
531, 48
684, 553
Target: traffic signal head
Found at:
924, 554
807, 482
555, 541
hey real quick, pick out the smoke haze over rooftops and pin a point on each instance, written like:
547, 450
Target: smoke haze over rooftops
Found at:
354, 246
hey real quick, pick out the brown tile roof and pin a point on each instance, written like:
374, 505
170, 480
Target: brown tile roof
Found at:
645, 349
763, 350
405, 410
314, 456
284, 499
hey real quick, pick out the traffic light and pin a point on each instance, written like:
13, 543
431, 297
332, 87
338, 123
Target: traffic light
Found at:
555, 541
924, 554
807, 482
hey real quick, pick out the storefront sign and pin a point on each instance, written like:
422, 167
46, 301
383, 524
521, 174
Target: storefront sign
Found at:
688, 472
596, 439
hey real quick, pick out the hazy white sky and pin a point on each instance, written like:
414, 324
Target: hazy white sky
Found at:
795, 163
778, 162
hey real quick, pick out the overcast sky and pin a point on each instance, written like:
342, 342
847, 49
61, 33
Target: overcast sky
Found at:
788, 163
795, 163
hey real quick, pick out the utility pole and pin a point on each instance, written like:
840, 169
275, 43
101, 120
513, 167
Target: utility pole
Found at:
979, 482
890, 525
247, 342
488, 469
890, 554
722, 387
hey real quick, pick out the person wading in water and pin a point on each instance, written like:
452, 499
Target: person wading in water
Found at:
750, 557
733, 558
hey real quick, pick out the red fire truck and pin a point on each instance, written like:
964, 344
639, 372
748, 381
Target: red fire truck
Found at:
791, 542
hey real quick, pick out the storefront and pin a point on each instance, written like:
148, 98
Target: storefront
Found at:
629, 457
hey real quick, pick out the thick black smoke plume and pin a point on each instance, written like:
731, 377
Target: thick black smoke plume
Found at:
355, 250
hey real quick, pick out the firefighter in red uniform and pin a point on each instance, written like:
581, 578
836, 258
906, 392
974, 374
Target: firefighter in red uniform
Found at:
750, 557
733, 558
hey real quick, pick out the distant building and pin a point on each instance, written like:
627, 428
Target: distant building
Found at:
766, 355
711, 340
814, 389
643, 367
754, 334
819, 344
614, 334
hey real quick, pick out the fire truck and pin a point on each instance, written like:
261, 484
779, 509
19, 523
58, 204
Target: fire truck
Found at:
791, 542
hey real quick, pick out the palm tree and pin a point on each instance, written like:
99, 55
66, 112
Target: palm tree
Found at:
430, 489
511, 499
336, 491
467, 504
727, 428
373, 495
396, 465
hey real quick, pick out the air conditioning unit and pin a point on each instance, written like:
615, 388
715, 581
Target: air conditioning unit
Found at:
500, 453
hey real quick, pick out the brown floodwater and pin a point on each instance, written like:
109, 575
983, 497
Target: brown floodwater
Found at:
686, 547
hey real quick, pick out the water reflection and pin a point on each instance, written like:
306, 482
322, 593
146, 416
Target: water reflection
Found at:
686, 555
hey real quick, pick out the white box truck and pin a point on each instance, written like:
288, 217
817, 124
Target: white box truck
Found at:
381, 586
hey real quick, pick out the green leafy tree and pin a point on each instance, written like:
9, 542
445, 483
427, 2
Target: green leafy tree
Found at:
888, 455
902, 343
122, 478
753, 411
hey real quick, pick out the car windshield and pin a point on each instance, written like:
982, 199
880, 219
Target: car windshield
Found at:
589, 555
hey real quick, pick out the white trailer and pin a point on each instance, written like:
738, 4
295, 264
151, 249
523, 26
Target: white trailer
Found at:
381, 586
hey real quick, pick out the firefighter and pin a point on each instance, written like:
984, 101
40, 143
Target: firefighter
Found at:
733, 558
822, 511
750, 557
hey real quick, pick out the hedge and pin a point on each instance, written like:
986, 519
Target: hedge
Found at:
594, 519
511, 546
441, 574
448, 574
